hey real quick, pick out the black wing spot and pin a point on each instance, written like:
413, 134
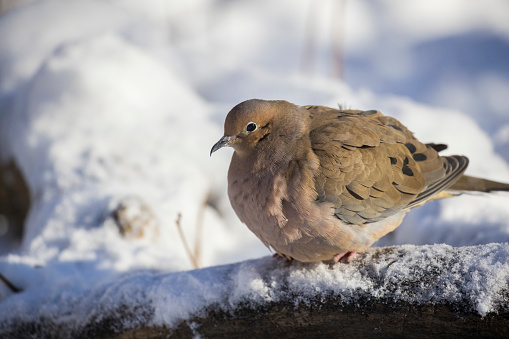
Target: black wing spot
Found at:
437, 147
407, 171
420, 157
405, 162
394, 161
410, 147
355, 195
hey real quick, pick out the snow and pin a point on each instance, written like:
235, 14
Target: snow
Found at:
116, 106
472, 276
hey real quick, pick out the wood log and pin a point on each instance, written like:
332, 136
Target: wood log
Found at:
402, 291
332, 319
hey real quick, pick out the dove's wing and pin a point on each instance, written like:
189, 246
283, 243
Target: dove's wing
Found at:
371, 166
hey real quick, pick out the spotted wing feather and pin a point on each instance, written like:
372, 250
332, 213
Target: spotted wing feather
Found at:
371, 166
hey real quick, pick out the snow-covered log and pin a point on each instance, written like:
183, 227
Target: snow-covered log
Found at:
404, 291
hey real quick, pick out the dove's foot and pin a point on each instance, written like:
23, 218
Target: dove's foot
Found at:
343, 257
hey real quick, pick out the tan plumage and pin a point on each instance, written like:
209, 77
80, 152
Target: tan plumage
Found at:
317, 183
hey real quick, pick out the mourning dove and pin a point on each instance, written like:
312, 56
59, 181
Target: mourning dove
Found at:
317, 183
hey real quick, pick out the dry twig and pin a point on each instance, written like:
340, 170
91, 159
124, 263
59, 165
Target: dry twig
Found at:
190, 254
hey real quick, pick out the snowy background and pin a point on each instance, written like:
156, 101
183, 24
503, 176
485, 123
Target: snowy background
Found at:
108, 103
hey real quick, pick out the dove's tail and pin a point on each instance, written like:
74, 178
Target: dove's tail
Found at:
468, 183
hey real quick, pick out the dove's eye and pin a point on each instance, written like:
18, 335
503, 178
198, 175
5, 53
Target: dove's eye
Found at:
251, 127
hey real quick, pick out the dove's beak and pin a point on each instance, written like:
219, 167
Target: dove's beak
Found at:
223, 142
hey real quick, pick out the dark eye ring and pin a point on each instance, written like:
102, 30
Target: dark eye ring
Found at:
251, 126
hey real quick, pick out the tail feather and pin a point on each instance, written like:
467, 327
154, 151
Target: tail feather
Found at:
468, 183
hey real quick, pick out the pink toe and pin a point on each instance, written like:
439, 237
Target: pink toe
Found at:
344, 257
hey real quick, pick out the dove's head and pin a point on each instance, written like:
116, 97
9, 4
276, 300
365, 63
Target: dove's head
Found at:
253, 124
